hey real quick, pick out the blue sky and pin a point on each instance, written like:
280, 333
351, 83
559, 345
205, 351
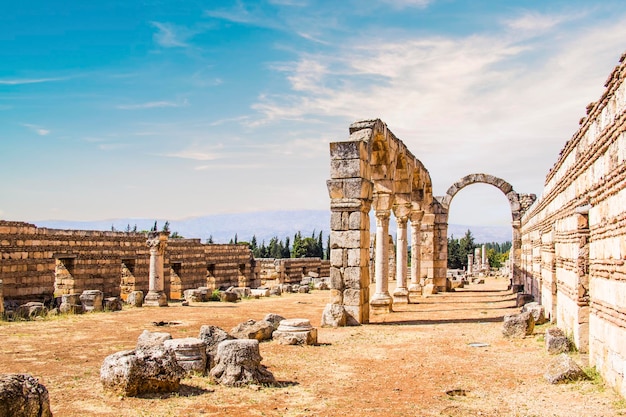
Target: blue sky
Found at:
174, 109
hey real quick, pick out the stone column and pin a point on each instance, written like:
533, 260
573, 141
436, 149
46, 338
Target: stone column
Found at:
156, 296
381, 301
427, 254
1, 299
485, 264
415, 288
516, 257
470, 264
401, 293
478, 260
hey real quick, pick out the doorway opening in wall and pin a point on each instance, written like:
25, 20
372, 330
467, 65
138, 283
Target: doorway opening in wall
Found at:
127, 282
210, 276
479, 219
176, 290
64, 275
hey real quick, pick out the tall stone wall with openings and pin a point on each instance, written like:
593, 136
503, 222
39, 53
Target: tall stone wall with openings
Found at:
574, 237
291, 270
39, 264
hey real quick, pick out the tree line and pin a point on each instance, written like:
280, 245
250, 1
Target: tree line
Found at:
458, 249
302, 247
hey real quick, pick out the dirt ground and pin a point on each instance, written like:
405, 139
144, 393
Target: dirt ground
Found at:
402, 364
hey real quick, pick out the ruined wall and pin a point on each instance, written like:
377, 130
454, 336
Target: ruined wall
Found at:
40, 263
574, 237
291, 270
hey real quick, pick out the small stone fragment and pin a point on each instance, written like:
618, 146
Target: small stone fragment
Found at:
259, 330
212, 336
275, 319
21, 395
296, 332
518, 325
190, 353
563, 370
334, 315
135, 298
537, 310
238, 362
92, 300
149, 339
556, 341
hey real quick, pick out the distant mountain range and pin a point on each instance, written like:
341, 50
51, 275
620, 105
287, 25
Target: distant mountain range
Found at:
264, 225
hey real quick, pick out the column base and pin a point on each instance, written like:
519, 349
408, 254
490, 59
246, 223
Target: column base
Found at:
401, 296
415, 292
155, 299
381, 304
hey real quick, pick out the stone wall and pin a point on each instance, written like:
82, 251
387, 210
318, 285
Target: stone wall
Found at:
574, 237
38, 264
291, 270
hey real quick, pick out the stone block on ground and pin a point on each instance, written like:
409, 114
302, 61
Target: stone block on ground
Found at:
563, 369
112, 304
260, 330
537, 310
135, 298
31, 310
194, 295
260, 292
142, 371
518, 325
147, 339
556, 341
295, 332
229, 296
238, 362
212, 336
334, 315
523, 299
428, 290
21, 395
322, 285
71, 304
242, 292
286, 288
190, 353
92, 300
303, 289
273, 318
276, 290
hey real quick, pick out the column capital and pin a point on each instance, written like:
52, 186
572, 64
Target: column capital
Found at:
382, 214
416, 216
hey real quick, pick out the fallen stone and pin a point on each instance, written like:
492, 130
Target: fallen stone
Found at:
303, 289
322, 285
518, 325
112, 304
275, 319
92, 300
193, 295
259, 330
428, 290
238, 362
260, 292
205, 293
334, 315
148, 340
456, 284
31, 310
276, 291
185, 303
295, 332
135, 298
242, 292
212, 336
229, 297
190, 353
563, 370
286, 288
556, 341
21, 395
523, 299
537, 310
142, 371
71, 304
295, 288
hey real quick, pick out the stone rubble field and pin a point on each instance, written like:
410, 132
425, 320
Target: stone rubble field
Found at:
443, 357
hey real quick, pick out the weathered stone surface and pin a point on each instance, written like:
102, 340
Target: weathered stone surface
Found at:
21, 395
92, 300
71, 304
260, 330
523, 299
149, 339
190, 353
238, 362
563, 370
518, 325
303, 289
537, 310
32, 310
212, 336
275, 319
193, 295
276, 290
229, 297
242, 292
556, 341
428, 290
260, 292
112, 304
334, 315
295, 332
135, 298
142, 371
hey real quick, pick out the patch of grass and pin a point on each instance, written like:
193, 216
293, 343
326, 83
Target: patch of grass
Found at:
594, 376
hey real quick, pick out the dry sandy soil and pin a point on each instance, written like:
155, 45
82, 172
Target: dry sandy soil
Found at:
402, 364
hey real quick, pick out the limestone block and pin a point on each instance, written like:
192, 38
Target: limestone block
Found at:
556, 341
135, 298
322, 286
92, 300
112, 304
259, 330
193, 295
518, 325
190, 353
243, 292
133, 373
31, 310
21, 395
276, 290
523, 299
537, 310
563, 370
273, 318
334, 315
228, 296
238, 362
260, 292
148, 340
295, 332
212, 336
428, 290
349, 150
303, 289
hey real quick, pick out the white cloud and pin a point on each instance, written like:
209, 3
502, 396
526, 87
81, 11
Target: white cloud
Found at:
37, 129
171, 36
20, 81
402, 4
193, 154
153, 105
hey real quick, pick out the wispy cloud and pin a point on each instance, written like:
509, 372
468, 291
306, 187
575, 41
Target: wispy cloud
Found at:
153, 105
20, 81
402, 4
171, 36
297, 3
37, 129
537, 23
222, 167
195, 155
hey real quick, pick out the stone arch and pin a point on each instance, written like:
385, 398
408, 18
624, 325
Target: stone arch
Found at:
519, 203
371, 170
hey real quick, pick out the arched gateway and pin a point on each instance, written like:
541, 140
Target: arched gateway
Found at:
374, 170
519, 204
